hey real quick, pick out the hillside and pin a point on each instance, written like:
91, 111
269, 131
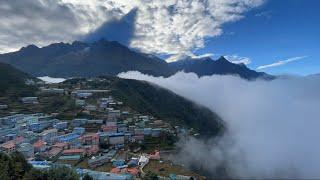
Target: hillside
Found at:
147, 98
12, 81
103, 57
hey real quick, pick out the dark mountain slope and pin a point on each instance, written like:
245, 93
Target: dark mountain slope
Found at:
207, 66
12, 81
83, 59
110, 58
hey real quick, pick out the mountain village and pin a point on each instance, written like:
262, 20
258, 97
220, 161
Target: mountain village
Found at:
107, 141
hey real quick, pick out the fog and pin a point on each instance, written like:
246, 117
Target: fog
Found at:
273, 126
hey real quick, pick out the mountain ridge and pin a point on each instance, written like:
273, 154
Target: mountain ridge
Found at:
80, 59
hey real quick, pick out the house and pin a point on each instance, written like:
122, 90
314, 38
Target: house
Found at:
92, 149
80, 102
3, 106
29, 100
52, 91
156, 132
113, 114
68, 138
53, 152
90, 107
83, 94
90, 139
8, 147
40, 146
109, 129
70, 152
143, 160
79, 130
116, 138
118, 162
155, 155
147, 131
122, 128
49, 135
26, 149
61, 125
60, 145
98, 161
79, 122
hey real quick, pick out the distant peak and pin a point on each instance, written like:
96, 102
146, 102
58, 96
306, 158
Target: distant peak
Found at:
222, 58
30, 47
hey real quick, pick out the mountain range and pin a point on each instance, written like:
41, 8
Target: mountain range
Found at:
80, 59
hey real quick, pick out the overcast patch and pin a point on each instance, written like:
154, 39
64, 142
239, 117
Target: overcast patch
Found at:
273, 126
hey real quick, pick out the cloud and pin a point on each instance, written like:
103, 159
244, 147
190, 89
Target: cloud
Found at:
282, 62
160, 27
238, 60
272, 125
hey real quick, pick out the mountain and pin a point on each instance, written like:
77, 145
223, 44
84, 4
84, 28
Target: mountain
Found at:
206, 67
147, 98
83, 60
103, 57
13, 80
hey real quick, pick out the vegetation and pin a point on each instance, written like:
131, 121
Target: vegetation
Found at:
14, 167
150, 99
12, 82
151, 176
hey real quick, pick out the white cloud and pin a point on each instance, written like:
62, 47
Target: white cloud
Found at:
161, 27
238, 59
282, 62
273, 126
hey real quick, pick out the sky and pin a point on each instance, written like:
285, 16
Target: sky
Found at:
275, 36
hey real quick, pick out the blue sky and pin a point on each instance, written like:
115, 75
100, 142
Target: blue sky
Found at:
277, 30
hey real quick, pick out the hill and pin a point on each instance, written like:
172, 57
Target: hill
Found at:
103, 57
13, 81
147, 98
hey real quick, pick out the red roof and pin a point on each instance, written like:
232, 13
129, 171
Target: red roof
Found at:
60, 145
38, 144
8, 145
73, 151
132, 171
115, 170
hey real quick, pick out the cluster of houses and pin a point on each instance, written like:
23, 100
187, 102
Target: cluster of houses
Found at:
45, 140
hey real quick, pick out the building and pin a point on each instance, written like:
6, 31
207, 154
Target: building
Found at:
61, 125
3, 106
143, 160
79, 130
83, 94
52, 91
90, 108
49, 135
29, 100
90, 139
156, 132
68, 138
71, 152
26, 149
8, 147
98, 161
117, 138
80, 102
79, 122
113, 114
40, 146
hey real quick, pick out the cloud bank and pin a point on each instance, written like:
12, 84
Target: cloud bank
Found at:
273, 126
160, 27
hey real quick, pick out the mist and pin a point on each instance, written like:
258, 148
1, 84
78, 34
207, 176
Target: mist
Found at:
272, 126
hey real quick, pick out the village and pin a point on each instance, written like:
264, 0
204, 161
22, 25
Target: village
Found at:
109, 140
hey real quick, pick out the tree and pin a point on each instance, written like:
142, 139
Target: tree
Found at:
35, 174
151, 176
62, 172
87, 177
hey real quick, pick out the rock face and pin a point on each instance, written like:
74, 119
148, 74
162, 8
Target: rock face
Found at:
103, 57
